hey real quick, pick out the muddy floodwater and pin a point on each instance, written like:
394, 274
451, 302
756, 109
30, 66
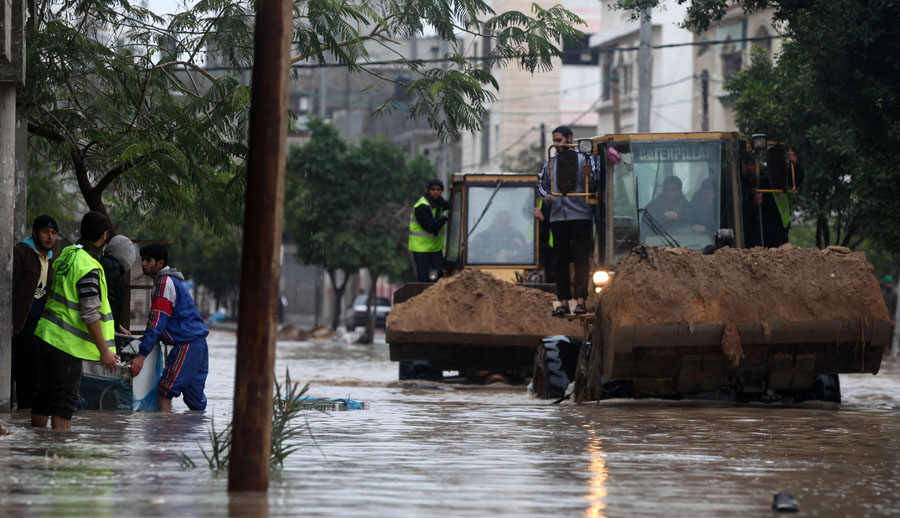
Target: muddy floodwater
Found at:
425, 449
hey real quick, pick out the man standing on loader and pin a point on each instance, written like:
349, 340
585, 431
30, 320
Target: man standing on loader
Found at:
426, 231
571, 225
767, 216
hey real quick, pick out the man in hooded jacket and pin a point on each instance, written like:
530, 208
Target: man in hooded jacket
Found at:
116, 261
175, 321
32, 258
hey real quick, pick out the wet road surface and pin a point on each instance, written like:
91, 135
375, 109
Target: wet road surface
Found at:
426, 449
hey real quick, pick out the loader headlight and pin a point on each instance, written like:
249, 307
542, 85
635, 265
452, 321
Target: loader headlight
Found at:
585, 145
601, 277
758, 141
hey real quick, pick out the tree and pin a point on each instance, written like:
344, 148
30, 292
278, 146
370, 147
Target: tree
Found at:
527, 160
782, 102
381, 215
118, 96
850, 51
348, 206
104, 104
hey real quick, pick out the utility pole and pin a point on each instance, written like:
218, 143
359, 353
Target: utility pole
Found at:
704, 89
12, 75
543, 138
644, 72
248, 469
617, 103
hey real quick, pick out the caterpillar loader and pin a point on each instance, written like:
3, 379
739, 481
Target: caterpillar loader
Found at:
686, 303
491, 229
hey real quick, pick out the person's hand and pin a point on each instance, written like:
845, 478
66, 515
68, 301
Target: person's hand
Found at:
124, 331
136, 365
757, 198
792, 157
538, 214
671, 214
108, 359
550, 198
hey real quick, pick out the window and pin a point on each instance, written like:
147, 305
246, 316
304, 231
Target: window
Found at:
763, 32
500, 226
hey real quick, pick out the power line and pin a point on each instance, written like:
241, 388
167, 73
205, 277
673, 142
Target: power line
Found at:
405, 62
503, 151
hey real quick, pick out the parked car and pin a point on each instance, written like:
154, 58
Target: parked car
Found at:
356, 313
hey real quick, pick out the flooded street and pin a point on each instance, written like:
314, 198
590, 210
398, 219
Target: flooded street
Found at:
425, 449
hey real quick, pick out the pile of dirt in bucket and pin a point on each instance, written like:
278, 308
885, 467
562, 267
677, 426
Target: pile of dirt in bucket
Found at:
787, 284
476, 302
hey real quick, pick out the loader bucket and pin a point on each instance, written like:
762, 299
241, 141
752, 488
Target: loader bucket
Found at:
474, 321
676, 321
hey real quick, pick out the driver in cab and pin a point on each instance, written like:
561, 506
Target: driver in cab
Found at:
670, 206
499, 243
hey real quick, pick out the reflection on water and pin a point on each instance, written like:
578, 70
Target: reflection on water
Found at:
425, 449
596, 496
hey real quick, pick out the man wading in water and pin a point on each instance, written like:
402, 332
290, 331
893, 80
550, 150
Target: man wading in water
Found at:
174, 319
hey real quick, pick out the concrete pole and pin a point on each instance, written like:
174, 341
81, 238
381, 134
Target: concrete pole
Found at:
644, 72
704, 89
22, 227
7, 201
260, 266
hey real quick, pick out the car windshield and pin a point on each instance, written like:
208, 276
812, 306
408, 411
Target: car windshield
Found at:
362, 299
500, 225
667, 194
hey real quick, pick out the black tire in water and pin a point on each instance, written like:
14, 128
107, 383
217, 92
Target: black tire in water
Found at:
825, 387
418, 370
554, 366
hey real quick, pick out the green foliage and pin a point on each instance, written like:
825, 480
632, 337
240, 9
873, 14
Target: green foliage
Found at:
833, 94
529, 160
49, 194
207, 257
347, 207
847, 186
284, 436
103, 103
117, 96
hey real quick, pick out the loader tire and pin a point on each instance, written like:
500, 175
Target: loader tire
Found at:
554, 366
418, 370
825, 387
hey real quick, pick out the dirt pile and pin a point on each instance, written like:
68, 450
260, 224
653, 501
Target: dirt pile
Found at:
787, 284
293, 333
478, 303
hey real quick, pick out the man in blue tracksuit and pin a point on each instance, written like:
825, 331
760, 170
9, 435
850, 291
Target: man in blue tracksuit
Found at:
175, 321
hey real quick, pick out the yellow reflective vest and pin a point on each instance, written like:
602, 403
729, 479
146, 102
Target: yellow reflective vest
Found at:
420, 240
784, 208
60, 324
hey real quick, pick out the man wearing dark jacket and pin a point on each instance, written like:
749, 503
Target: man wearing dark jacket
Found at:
426, 231
116, 261
32, 259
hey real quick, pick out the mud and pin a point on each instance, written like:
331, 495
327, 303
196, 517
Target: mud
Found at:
736, 286
477, 302
291, 332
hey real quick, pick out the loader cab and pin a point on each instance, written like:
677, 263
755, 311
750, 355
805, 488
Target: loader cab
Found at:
491, 225
670, 190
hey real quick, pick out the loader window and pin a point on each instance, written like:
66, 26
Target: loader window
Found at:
669, 191
500, 227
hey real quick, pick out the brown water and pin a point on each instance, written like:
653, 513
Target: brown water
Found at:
449, 450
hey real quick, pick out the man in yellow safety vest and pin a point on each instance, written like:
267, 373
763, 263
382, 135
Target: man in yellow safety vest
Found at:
76, 325
426, 231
